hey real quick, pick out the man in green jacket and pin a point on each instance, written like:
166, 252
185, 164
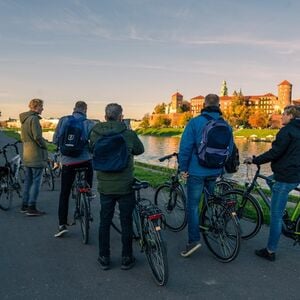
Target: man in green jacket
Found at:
116, 187
35, 156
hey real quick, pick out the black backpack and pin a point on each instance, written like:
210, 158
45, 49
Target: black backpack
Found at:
233, 161
110, 153
72, 139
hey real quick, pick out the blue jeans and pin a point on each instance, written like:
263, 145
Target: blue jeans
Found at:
32, 184
195, 186
280, 192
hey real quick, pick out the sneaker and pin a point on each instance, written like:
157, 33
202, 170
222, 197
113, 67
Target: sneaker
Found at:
104, 262
127, 262
33, 212
24, 208
62, 229
190, 249
264, 253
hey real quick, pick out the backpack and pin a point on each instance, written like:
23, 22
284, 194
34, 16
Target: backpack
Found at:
233, 161
213, 150
72, 140
110, 153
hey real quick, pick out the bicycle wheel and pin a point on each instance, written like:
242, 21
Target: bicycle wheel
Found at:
297, 230
172, 203
156, 252
48, 179
5, 193
220, 231
21, 175
248, 212
84, 217
222, 187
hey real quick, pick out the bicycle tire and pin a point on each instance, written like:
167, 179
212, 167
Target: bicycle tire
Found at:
48, 178
297, 230
57, 171
22, 175
172, 202
156, 252
248, 211
84, 217
222, 187
5, 193
220, 231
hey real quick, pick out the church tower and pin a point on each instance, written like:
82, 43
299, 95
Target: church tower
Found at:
224, 89
176, 102
284, 94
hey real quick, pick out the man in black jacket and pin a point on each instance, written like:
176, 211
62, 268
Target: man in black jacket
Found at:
285, 163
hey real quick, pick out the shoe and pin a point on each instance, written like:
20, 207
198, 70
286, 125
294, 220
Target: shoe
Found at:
127, 262
190, 249
104, 262
62, 229
33, 212
264, 253
24, 208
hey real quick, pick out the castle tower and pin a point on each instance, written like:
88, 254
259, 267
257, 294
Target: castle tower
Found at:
224, 89
176, 102
284, 94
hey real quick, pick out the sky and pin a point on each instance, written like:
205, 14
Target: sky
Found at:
139, 52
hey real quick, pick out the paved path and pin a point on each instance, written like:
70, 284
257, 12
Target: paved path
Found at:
35, 265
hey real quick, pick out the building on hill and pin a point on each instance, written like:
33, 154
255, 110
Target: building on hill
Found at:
176, 103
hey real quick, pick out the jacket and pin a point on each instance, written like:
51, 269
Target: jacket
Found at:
117, 183
284, 154
87, 126
35, 154
191, 137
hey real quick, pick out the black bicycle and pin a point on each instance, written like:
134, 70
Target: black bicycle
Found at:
170, 198
80, 194
48, 177
147, 221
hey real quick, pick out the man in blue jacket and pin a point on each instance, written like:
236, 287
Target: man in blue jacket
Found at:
197, 175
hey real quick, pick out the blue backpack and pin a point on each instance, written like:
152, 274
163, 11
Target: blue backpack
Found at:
110, 153
213, 150
72, 140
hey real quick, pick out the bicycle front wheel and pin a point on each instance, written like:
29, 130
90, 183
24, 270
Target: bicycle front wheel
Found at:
220, 231
156, 252
248, 212
5, 193
48, 178
172, 202
84, 217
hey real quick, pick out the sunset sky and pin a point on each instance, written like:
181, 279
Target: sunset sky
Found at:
139, 52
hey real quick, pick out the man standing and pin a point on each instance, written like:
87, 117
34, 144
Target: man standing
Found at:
285, 164
76, 128
35, 156
198, 175
116, 187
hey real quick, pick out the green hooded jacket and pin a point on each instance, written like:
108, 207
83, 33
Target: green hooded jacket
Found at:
118, 183
35, 153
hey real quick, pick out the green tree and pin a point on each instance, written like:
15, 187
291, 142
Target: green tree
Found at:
160, 108
145, 121
161, 122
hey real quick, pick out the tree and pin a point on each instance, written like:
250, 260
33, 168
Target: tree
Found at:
185, 118
160, 108
258, 119
184, 107
145, 121
161, 122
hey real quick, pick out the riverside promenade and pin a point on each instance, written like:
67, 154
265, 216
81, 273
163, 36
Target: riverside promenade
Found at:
35, 265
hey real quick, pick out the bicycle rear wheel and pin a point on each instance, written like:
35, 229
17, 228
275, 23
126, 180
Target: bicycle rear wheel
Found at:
5, 193
220, 230
84, 217
172, 202
156, 252
248, 212
48, 178
222, 187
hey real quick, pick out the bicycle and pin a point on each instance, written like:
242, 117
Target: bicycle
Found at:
80, 194
147, 221
250, 214
48, 177
170, 198
56, 164
12, 176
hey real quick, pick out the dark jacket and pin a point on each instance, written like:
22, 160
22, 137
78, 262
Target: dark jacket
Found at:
284, 154
35, 153
118, 183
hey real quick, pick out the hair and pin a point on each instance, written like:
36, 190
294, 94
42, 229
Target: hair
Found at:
212, 100
293, 110
34, 103
80, 106
113, 111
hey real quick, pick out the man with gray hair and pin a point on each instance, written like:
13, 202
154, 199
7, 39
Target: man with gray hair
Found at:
81, 159
116, 187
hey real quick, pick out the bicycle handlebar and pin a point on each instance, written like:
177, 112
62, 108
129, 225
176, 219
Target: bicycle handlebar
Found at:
14, 145
168, 156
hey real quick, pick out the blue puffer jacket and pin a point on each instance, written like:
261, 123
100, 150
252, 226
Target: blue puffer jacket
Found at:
191, 137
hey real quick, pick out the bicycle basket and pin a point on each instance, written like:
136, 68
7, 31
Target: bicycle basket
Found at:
4, 171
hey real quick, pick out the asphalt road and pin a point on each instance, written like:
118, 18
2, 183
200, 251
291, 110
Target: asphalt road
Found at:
35, 265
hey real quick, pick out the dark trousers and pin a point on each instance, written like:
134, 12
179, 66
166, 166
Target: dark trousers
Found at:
67, 178
126, 206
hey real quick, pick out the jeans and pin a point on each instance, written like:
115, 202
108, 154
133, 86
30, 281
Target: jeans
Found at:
195, 187
67, 178
32, 184
280, 192
126, 206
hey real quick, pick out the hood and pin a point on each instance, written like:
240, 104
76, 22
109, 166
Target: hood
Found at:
25, 115
109, 127
295, 122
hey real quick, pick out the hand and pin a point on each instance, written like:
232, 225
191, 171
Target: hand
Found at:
248, 160
184, 175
